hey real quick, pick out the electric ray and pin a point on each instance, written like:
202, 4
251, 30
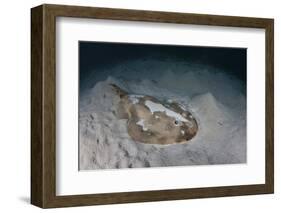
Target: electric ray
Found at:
152, 121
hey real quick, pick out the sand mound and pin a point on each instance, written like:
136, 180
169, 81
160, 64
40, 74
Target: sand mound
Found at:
105, 144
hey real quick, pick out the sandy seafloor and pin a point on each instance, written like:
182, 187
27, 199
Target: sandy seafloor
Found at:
217, 100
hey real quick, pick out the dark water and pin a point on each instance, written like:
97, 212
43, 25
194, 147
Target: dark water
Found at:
98, 60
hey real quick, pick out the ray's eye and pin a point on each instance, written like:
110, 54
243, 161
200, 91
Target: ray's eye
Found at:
176, 122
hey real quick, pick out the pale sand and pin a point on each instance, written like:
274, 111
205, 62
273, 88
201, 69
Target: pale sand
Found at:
221, 138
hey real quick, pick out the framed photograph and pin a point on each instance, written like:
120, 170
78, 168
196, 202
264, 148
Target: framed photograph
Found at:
136, 106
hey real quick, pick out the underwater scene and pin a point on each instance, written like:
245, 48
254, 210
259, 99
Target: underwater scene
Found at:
148, 105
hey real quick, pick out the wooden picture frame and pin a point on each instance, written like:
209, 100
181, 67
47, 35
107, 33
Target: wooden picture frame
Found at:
43, 105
